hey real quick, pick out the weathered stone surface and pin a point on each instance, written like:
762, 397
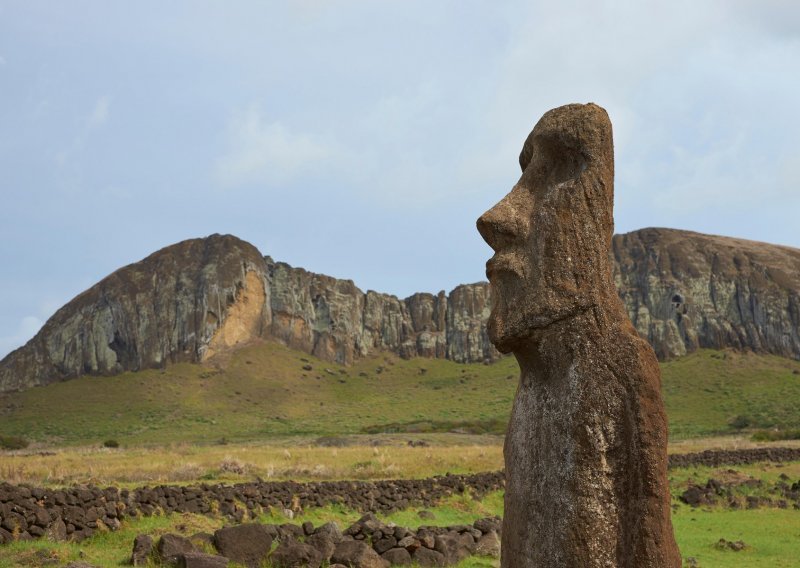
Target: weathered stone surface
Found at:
452, 547
427, 557
586, 446
201, 560
323, 543
57, 531
330, 530
142, 547
357, 554
247, 544
293, 554
397, 557
488, 545
170, 546
685, 290
172, 306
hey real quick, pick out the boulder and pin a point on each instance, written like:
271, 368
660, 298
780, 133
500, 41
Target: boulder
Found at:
452, 547
397, 557
247, 544
323, 543
332, 530
358, 555
142, 548
201, 560
170, 546
427, 557
294, 554
488, 545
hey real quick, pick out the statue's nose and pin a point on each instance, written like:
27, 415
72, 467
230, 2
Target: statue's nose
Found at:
499, 226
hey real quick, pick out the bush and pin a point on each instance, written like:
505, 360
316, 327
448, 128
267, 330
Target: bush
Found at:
13, 442
740, 422
111, 444
775, 435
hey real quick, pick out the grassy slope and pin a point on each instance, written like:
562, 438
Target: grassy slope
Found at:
263, 392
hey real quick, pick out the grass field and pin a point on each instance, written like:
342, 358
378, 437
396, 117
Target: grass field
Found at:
264, 415
291, 458
772, 536
264, 392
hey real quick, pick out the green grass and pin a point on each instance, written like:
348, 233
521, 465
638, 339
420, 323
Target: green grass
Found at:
263, 392
706, 391
772, 536
114, 548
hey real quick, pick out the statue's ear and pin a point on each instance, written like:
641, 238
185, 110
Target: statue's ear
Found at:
551, 159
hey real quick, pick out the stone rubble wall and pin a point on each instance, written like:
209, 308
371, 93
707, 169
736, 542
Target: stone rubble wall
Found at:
76, 512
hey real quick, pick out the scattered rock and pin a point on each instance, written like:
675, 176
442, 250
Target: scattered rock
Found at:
488, 545
201, 560
736, 546
293, 554
427, 557
170, 546
324, 544
142, 548
397, 557
357, 554
247, 544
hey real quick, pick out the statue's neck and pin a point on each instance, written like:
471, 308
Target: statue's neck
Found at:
558, 346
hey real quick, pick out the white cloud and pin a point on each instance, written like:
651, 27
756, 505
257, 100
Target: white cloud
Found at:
100, 113
267, 152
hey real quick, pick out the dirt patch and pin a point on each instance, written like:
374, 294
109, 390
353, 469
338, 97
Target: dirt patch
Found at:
243, 320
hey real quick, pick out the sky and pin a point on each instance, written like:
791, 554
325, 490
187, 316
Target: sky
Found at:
362, 139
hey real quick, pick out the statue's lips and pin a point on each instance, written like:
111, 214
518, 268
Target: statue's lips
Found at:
499, 264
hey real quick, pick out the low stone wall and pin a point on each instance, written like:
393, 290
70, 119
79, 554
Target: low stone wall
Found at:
75, 513
367, 543
716, 458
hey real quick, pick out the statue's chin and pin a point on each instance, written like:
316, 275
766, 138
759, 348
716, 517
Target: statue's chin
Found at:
498, 334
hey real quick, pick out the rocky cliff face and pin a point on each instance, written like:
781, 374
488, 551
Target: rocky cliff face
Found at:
203, 297
685, 290
334, 320
172, 306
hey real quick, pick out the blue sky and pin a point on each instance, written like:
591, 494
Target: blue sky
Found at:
362, 139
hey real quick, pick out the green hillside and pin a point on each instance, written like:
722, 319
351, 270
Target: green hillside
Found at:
264, 391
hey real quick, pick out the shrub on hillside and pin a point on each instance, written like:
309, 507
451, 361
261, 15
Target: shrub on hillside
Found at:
13, 442
740, 422
775, 435
111, 444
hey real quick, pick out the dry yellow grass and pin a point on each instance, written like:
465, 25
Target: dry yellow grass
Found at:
741, 442
281, 460
285, 459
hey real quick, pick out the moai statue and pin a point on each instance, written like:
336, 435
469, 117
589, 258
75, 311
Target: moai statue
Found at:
586, 448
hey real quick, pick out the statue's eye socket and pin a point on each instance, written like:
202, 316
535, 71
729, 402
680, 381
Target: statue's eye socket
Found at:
554, 163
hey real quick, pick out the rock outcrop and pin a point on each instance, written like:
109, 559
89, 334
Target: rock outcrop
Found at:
685, 290
682, 291
182, 303
204, 297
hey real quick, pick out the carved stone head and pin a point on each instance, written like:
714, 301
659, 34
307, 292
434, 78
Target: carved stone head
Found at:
551, 234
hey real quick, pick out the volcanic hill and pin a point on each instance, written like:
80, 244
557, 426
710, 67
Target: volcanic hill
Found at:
202, 298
